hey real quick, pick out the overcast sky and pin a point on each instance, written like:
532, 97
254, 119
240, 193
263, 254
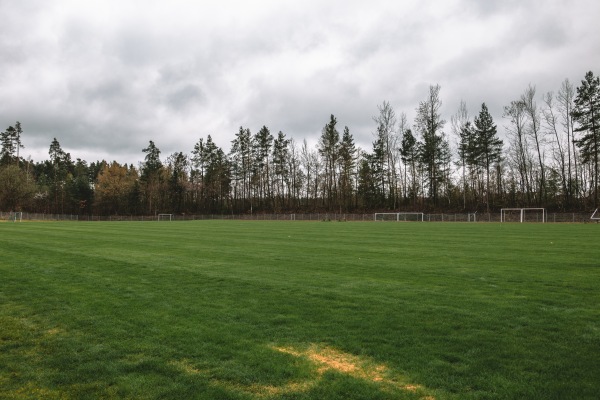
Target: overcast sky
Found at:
105, 77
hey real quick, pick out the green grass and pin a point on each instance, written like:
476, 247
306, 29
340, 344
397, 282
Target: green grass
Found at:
299, 310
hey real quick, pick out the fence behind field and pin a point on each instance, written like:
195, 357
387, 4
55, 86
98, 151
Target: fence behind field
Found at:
369, 217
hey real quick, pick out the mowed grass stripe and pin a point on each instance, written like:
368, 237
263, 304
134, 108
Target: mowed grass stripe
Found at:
228, 309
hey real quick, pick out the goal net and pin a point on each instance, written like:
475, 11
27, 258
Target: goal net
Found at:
523, 215
165, 217
404, 216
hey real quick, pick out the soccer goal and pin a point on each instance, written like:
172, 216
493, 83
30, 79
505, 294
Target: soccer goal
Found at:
165, 217
16, 216
523, 215
595, 217
401, 216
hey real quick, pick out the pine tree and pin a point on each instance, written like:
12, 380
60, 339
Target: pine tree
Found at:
430, 124
487, 146
8, 146
10, 140
242, 165
587, 115
329, 150
262, 142
178, 180
281, 155
217, 177
347, 162
151, 177
409, 153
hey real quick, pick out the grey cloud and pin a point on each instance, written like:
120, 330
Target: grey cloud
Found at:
106, 84
184, 97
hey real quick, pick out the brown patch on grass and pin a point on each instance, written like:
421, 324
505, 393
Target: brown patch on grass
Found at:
278, 391
324, 359
53, 331
329, 359
31, 391
185, 366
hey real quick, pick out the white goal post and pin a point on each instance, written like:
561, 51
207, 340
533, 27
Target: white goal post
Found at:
165, 217
16, 216
522, 213
595, 217
400, 216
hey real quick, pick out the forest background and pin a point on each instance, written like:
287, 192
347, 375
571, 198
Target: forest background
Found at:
548, 157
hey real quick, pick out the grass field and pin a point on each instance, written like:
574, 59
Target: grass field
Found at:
299, 310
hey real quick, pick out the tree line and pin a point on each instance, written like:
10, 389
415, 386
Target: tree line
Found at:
550, 159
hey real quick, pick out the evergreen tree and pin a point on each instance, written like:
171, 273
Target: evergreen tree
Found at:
433, 156
59, 163
261, 147
178, 181
217, 177
377, 161
198, 170
242, 165
328, 148
281, 155
152, 178
79, 188
10, 140
467, 153
152, 163
366, 182
8, 146
409, 154
587, 115
347, 162
487, 146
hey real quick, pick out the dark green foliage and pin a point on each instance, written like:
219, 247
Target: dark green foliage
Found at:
152, 179
152, 164
409, 153
217, 178
587, 115
242, 165
178, 179
10, 140
485, 149
329, 144
347, 161
281, 177
262, 144
434, 147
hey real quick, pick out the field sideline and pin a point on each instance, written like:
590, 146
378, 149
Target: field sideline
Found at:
299, 310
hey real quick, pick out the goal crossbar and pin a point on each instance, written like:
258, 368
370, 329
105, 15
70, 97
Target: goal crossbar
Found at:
522, 213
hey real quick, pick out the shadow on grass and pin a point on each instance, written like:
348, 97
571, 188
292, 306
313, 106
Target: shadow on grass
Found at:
52, 363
